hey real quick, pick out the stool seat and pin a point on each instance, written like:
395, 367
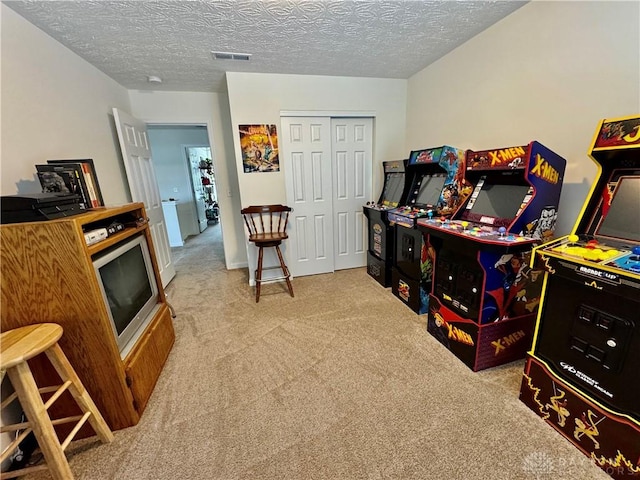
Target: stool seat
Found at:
268, 237
17, 346
24, 343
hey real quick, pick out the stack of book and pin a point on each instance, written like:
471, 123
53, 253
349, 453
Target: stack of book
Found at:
74, 177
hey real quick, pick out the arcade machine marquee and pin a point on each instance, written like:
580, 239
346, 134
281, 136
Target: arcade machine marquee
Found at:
484, 298
380, 254
434, 184
582, 375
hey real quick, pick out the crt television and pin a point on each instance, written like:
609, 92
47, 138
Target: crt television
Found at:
128, 284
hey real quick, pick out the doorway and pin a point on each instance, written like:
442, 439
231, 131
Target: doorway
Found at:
203, 182
173, 147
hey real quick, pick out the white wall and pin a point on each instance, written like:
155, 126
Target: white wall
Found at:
260, 98
212, 110
548, 72
55, 105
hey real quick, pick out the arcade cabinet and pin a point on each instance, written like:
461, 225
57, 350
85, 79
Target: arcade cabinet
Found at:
380, 253
433, 186
582, 375
485, 296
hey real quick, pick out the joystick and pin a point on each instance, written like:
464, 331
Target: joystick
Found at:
591, 244
573, 239
502, 231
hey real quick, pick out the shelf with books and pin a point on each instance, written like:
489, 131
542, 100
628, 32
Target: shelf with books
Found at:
88, 170
68, 178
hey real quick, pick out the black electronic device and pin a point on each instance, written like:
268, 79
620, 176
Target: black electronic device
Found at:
34, 207
380, 253
434, 185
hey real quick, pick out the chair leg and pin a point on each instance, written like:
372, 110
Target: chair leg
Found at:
33, 406
259, 273
59, 361
285, 270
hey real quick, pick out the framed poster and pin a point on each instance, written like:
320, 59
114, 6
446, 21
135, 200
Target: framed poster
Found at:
259, 146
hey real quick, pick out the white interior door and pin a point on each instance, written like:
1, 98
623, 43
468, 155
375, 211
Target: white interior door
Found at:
352, 149
136, 153
307, 166
327, 164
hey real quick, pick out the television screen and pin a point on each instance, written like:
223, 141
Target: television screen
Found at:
393, 187
499, 200
619, 222
126, 278
430, 190
127, 286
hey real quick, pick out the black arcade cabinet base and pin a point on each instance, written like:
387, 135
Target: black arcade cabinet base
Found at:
379, 269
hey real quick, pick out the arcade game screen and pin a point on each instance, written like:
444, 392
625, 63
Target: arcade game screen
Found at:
430, 189
393, 189
617, 223
496, 201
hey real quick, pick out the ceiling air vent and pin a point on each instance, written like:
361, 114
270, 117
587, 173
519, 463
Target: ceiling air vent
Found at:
230, 56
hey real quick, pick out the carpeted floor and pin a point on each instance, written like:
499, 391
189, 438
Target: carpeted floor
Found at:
341, 382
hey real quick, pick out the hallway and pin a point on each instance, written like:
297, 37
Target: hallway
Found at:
207, 244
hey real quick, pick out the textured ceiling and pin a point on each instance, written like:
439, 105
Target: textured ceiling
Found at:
130, 40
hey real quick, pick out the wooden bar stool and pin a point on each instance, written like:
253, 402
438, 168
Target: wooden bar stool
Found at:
19, 345
267, 226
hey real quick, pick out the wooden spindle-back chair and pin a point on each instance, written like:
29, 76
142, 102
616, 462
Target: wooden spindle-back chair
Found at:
267, 225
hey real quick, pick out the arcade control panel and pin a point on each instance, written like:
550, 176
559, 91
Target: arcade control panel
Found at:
477, 231
378, 206
598, 252
407, 216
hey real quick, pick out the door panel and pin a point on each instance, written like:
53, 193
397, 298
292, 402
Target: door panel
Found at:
307, 166
352, 157
136, 154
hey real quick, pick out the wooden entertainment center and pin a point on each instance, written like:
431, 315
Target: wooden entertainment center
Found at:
47, 275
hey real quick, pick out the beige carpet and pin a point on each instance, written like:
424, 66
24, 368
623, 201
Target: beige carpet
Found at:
341, 382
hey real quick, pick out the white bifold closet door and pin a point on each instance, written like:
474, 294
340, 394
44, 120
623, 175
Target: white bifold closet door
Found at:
327, 164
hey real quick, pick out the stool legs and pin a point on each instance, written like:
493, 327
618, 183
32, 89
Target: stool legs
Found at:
285, 270
59, 361
33, 406
283, 266
38, 417
259, 273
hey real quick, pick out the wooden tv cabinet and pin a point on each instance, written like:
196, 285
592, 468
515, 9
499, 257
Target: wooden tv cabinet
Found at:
47, 275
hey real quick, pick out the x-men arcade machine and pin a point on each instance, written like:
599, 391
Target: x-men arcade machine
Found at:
485, 297
434, 185
380, 253
582, 375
